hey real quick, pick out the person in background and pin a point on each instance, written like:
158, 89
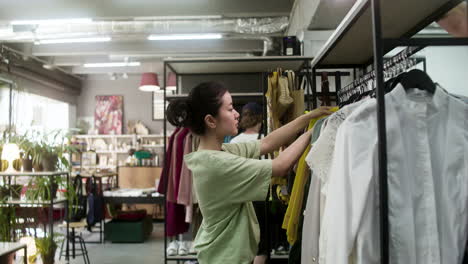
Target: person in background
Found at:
251, 123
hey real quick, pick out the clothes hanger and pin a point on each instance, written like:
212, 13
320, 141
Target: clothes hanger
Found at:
415, 79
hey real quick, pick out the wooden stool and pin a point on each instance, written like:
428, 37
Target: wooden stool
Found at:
73, 237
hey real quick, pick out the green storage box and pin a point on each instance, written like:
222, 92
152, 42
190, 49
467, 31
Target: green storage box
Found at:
118, 231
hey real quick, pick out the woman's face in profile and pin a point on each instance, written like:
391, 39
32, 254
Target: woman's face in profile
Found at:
228, 118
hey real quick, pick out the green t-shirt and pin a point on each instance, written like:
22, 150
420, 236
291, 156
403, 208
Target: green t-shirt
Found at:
226, 182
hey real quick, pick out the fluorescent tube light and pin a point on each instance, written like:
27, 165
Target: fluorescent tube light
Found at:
51, 21
177, 17
72, 40
185, 36
112, 64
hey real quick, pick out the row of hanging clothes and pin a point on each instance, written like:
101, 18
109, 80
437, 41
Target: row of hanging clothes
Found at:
177, 185
335, 216
285, 97
286, 101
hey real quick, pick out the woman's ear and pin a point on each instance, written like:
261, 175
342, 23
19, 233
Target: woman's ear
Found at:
210, 121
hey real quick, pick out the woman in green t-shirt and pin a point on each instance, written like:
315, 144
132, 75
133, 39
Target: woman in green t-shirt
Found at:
228, 177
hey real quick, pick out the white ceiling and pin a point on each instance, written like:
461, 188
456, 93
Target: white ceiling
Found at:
247, 27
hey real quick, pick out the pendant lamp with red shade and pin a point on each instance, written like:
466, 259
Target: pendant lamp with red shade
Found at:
149, 82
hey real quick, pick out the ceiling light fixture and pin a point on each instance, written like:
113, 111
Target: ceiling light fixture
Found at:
112, 64
185, 36
177, 17
72, 40
149, 82
51, 21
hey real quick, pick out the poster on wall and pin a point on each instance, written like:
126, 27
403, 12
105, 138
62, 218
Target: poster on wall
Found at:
108, 116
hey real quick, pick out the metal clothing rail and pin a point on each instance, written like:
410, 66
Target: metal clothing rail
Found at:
391, 62
361, 86
375, 19
210, 66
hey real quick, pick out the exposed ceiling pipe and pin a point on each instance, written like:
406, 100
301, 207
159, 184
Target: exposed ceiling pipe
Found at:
127, 29
43, 62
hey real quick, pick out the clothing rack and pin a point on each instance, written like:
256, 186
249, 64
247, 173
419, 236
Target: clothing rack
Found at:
210, 66
389, 24
360, 85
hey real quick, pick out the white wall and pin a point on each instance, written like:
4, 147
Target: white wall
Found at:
448, 66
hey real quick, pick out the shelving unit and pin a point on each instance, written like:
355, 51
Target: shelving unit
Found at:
49, 203
371, 29
116, 155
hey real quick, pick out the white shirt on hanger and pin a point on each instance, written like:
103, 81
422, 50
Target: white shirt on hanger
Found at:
319, 160
427, 141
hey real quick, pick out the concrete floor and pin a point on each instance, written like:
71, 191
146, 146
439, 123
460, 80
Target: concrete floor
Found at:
150, 252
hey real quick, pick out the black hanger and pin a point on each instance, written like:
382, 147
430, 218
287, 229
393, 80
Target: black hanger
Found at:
415, 79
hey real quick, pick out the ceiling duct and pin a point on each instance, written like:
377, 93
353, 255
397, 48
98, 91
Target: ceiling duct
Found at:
129, 30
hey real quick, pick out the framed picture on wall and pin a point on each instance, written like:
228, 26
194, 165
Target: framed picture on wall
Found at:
108, 115
158, 106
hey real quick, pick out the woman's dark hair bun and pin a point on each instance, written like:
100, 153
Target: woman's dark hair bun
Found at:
178, 113
204, 99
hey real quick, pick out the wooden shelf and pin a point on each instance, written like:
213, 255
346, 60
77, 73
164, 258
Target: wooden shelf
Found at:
151, 136
351, 43
35, 203
235, 65
153, 146
234, 96
96, 167
110, 151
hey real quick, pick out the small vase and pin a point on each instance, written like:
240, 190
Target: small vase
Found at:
48, 258
53, 192
49, 163
16, 191
37, 167
27, 165
4, 192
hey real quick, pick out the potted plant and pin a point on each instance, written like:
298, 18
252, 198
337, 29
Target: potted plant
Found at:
26, 147
50, 157
36, 153
46, 247
7, 222
7, 227
39, 188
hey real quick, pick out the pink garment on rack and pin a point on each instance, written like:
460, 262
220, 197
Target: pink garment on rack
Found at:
188, 213
179, 160
175, 215
175, 219
165, 171
185, 187
170, 193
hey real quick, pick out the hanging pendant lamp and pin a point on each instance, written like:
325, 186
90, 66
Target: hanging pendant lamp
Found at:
149, 82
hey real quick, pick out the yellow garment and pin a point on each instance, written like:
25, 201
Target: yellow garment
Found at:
291, 218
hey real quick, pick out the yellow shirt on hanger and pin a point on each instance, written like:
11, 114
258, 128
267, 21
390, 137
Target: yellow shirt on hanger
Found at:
291, 218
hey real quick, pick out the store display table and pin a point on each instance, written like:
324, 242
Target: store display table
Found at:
133, 196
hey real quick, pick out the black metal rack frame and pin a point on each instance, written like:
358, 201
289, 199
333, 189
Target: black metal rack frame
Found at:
305, 64
50, 203
382, 45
